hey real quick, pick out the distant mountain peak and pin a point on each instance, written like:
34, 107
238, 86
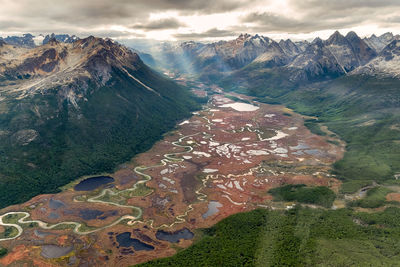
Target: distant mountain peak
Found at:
352, 35
53, 41
393, 46
290, 48
244, 36
386, 64
379, 43
63, 38
387, 35
336, 38
317, 41
27, 35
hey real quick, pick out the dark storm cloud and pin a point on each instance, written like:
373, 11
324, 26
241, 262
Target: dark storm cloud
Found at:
105, 11
279, 23
353, 11
12, 24
394, 19
316, 15
207, 34
79, 16
162, 24
121, 17
342, 5
201, 6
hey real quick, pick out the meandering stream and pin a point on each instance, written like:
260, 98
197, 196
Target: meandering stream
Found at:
131, 220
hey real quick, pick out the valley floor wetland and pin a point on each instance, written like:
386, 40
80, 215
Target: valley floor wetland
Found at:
221, 161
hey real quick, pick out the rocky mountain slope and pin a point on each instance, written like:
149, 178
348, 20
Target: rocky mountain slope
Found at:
223, 56
26, 40
316, 61
386, 64
378, 43
350, 52
30, 71
70, 109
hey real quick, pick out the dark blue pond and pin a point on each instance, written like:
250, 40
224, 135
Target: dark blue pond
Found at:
92, 183
54, 215
90, 214
174, 237
56, 204
125, 240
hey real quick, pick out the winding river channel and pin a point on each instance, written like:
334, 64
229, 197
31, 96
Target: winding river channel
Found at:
131, 220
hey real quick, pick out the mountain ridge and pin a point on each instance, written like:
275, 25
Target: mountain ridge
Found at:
73, 109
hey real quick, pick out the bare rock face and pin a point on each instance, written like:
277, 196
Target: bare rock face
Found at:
67, 67
64, 38
24, 137
386, 64
30, 41
290, 48
223, 56
379, 43
316, 61
243, 50
360, 48
350, 51
26, 40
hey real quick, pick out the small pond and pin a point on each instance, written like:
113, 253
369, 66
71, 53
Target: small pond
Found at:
54, 215
53, 251
93, 183
125, 240
174, 237
212, 209
92, 214
42, 234
88, 214
56, 204
314, 152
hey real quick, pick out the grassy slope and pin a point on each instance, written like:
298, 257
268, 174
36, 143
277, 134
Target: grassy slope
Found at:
375, 197
299, 237
116, 122
363, 111
319, 195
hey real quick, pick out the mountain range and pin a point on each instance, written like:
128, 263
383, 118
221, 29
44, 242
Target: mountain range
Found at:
333, 57
30, 41
336, 56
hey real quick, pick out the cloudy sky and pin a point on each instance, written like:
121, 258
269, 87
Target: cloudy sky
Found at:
205, 20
